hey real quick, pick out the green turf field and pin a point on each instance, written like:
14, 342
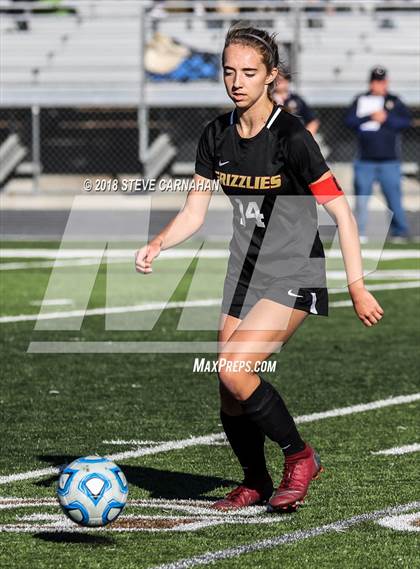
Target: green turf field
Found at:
56, 407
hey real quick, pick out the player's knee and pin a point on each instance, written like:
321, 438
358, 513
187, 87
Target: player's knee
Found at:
232, 375
228, 370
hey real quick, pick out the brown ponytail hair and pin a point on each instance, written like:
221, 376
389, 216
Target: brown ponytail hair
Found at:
264, 43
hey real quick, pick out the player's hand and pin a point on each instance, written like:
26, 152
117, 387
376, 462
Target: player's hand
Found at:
367, 307
145, 256
379, 116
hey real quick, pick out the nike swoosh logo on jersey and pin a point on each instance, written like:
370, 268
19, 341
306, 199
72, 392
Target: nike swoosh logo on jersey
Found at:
223, 163
290, 293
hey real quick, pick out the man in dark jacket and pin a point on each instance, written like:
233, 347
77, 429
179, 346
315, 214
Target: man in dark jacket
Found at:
378, 117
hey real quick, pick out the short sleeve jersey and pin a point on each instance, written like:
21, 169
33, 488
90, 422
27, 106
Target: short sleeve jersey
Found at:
267, 177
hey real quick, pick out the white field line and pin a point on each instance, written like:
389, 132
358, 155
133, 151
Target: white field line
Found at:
163, 447
399, 450
373, 287
393, 513
50, 471
380, 286
133, 442
380, 274
130, 442
69, 527
58, 517
379, 404
292, 537
63, 525
200, 514
15, 266
403, 522
331, 274
56, 523
340, 303
52, 302
217, 437
192, 507
39, 518
179, 304
110, 253
67, 253
112, 310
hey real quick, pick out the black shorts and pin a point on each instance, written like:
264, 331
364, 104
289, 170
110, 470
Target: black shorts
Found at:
240, 297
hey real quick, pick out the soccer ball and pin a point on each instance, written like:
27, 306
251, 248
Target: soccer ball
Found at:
92, 491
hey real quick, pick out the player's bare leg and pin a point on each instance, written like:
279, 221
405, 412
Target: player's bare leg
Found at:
267, 327
257, 486
238, 340
237, 387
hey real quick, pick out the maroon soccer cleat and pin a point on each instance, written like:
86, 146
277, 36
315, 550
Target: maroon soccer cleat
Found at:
244, 496
297, 475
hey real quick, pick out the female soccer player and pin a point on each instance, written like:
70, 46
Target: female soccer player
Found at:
273, 172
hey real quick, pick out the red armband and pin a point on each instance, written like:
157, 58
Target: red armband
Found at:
326, 190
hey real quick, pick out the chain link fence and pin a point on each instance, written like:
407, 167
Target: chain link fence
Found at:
105, 140
98, 139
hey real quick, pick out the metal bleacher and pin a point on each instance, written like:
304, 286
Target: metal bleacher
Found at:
93, 57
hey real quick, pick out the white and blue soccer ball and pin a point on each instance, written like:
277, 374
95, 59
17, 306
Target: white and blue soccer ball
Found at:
92, 491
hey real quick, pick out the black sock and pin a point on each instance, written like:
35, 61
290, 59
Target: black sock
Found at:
247, 442
268, 410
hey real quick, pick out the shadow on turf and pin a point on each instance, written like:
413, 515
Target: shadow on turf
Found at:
158, 483
68, 537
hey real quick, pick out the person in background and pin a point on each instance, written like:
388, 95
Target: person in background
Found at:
294, 104
378, 118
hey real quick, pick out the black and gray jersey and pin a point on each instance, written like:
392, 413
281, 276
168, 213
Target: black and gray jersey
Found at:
267, 177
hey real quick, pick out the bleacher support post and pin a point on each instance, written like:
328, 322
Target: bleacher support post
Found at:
295, 49
36, 147
143, 111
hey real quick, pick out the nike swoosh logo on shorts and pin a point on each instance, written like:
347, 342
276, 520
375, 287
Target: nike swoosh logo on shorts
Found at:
290, 293
223, 163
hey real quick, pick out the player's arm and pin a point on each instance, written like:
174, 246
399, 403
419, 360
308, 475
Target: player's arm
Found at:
327, 192
191, 217
307, 161
181, 227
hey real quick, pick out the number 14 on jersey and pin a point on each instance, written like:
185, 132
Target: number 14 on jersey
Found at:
252, 212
